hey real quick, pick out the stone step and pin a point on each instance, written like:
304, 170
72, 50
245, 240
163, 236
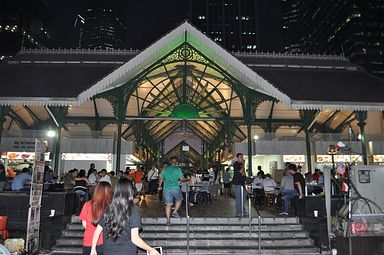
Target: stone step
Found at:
195, 228
210, 243
205, 234
67, 250
215, 221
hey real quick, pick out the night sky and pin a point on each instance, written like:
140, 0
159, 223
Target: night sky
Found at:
148, 20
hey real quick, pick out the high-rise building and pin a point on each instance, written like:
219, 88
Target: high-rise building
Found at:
24, 24
102, 29
102, 25
237, 24
354, 28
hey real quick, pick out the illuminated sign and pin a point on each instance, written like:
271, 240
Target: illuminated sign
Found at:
87, 156
294, 158
338, 158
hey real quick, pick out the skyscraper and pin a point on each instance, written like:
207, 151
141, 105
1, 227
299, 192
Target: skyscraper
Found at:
24, 24
102, 29
354, 28
236, 24
102, 25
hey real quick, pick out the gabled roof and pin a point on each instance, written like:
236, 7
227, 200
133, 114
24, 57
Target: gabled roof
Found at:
70, 77
319, 81
185, 33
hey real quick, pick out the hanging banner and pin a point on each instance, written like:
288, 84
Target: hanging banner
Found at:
33, 227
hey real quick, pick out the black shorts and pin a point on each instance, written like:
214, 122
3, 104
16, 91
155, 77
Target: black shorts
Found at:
227, 185
99, 249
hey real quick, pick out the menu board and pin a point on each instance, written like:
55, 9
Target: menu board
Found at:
338, 158
33, 227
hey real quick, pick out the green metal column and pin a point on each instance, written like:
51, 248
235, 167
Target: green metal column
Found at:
308, 118
57, 151
3, 112
250, 141
118, 146
309, 151
362, 117
202, 153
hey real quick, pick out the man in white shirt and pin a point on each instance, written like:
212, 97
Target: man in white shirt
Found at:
92, 178
104, 177
152, 177
269, 184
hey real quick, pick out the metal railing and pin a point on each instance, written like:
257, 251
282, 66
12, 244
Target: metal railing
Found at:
187, 214
251, 202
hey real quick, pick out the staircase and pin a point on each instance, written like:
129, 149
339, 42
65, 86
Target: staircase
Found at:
209, 236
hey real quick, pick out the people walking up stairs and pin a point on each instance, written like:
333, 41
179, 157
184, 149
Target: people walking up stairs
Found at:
209, 236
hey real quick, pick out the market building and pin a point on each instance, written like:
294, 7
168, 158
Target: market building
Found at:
186, 96
186, 86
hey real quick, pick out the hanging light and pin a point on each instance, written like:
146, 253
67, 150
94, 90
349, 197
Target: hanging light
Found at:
51, 133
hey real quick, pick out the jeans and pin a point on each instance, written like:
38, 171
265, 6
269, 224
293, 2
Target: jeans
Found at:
288, 194
240, 200
153, 186
171, 195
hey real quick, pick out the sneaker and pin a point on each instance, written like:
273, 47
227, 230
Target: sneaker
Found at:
191, 204
175, 215
168, 223
283, 214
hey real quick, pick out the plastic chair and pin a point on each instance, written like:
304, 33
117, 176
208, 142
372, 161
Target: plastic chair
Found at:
3, 227
204, 195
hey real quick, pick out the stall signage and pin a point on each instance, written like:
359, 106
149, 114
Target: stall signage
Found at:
87, 156
33, 227
338, 158
294, 158
378, 158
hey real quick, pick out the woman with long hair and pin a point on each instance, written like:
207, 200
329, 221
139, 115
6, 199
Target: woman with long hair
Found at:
92, 212
120, 224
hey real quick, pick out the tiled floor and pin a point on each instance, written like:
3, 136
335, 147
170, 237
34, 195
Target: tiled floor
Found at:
151, 206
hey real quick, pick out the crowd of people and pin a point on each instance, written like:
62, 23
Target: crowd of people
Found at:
111, 220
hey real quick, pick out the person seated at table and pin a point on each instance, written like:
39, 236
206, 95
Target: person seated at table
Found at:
104, 176
21, 179
48, 176
81, 185
258, 189
321, 178
69, 179
92, 177
206, 178
269, 184
316, 175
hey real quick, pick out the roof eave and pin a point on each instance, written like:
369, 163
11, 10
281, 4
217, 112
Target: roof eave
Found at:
40, 101
323, 105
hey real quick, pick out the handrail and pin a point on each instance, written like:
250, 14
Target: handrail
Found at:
187, 214
250, 203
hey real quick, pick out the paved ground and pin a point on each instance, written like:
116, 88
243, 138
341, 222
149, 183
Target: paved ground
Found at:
221, 207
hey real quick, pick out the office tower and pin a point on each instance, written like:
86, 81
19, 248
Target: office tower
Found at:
102, 25
354, 28
24, 24
238, 25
